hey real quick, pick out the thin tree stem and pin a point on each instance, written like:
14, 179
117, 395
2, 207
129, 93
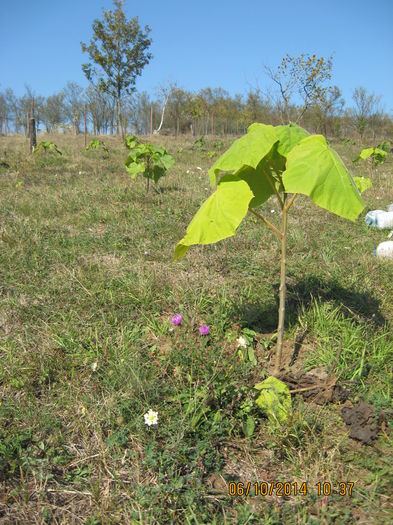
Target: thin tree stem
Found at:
290, 202
269, 179
283, 289
262, 218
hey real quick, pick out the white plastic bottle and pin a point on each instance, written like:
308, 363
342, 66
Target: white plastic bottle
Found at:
385, 249
385, 220
379, 219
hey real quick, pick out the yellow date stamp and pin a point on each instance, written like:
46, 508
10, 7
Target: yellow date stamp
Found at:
288, 488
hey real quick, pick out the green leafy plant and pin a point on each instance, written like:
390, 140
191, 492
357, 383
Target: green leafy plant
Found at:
200, 143
131, 141
211, 154
274, 399
47, 146
96, 144
377, 155
385, 146
362, 183
151, 161
218, 144
283, 161
348, 141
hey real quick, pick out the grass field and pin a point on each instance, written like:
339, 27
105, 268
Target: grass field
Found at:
88, 285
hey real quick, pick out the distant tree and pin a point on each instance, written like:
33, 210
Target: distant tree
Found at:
304, 76
211, 97
326, 111
120, 48
53, 112
3, 114
177, 105
161, 106
13, 111
258, 108
141, 116
366, 110
100, 109
73, 105
195, 110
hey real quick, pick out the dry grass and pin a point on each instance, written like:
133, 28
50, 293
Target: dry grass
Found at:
87, 288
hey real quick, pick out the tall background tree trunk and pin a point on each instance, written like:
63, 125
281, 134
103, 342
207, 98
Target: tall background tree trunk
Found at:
119, 115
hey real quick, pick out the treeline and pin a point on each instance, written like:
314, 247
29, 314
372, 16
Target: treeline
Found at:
177, 111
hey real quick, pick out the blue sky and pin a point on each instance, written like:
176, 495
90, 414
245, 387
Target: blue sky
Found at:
204, 43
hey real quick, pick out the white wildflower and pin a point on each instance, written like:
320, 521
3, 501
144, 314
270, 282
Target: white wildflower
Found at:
151, 418
94, 366
241, 342
272, 211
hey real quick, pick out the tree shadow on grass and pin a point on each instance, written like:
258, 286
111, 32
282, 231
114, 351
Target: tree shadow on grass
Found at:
355, 305
167, 189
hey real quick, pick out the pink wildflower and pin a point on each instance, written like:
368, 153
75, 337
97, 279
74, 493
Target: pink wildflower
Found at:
176, 319
204, 329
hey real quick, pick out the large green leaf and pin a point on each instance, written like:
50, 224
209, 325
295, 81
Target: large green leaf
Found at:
219, 216
157, 173
274, 399
258, 182
167, 161
316, 170
135, 168
249, 150
362, 183
289, 136
378, 155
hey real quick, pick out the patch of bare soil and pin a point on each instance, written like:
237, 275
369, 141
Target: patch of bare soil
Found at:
364, 425
321, 387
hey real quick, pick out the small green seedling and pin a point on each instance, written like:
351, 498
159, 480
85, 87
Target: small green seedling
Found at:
47, 146
348, 141
152, 161
218, 144
385, 146
283, 161
212, 154
131, 141
96, 144
274, 400
200, 143
377, 155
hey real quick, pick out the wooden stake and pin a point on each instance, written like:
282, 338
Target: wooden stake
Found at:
85, 127
151, 120
32, 130
32, 135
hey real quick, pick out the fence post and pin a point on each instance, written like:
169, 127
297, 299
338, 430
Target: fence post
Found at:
32, 130
151, 120
85, 126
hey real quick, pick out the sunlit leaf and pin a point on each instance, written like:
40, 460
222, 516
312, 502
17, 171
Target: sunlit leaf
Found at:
219, 216
247, 151
362, 183
274, 399
314, 169
249, 426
